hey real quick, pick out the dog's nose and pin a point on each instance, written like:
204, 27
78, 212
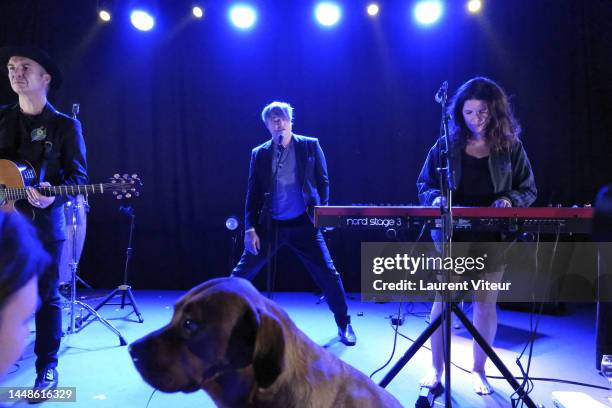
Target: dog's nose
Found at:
131, 351
136, 351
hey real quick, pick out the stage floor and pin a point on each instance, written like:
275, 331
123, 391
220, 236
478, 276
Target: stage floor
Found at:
103, 374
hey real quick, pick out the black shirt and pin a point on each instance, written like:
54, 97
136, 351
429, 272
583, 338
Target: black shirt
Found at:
475, 188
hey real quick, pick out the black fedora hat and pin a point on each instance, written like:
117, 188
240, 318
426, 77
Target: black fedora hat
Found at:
36, 54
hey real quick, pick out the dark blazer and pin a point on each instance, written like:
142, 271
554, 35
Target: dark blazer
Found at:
312, 174
66, 160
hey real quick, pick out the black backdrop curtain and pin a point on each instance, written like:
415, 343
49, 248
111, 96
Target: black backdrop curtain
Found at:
180, 106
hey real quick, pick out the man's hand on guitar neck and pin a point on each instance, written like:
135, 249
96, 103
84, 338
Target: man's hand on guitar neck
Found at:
38, 200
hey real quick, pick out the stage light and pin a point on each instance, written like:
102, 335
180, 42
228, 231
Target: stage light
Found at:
327, 13
474, 6
104, 15
105, 9
243, 16
198, 12
373, 9
427, 12
142, 20
232, 223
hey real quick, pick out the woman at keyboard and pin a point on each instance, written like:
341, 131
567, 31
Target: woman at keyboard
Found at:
490, 168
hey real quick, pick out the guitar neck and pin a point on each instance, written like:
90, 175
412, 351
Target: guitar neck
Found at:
20, 193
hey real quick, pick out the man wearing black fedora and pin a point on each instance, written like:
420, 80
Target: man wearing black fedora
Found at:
53, 144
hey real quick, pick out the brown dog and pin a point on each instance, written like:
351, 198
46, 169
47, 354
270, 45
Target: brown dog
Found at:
244, 351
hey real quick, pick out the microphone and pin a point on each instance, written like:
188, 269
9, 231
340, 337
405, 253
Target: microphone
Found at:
75, 110
441, 94
281, 148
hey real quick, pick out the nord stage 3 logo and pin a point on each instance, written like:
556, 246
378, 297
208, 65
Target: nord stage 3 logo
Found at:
375, 222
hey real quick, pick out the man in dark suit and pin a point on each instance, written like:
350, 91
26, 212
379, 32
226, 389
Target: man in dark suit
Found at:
52, 143
287, 179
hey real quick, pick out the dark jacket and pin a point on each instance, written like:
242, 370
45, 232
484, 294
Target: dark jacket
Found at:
66, 160
312, 174
511, 175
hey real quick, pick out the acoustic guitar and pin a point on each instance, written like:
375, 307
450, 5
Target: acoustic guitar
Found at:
16, 176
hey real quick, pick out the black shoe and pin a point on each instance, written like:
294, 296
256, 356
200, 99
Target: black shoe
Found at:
347, 335
45, 380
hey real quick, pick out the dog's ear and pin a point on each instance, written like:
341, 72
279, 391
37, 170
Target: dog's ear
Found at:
269, 354
241, 343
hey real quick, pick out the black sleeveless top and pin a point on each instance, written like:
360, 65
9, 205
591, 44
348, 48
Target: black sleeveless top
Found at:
475, 190
475, 187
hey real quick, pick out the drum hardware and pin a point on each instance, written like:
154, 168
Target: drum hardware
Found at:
81, 206
73, 271
74, 303
124, 290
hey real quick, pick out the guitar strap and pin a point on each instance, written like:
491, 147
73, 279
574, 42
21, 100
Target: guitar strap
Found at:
48, 146
45, 160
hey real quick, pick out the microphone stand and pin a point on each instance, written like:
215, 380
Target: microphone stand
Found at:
446, 217
270, 269
447, 186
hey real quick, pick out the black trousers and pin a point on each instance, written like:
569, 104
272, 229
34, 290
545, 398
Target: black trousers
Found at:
49, 316
308, 244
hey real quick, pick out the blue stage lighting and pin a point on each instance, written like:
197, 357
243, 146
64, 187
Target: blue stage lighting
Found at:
474, 6
142, 20
427, 12
373, 9
327, 13
243, 16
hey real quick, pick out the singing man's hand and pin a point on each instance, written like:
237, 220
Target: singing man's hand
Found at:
251, 242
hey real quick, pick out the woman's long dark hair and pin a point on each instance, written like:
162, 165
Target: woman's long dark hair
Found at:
502, 130
22, 256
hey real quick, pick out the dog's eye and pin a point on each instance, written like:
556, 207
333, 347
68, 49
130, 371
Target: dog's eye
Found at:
190, 326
